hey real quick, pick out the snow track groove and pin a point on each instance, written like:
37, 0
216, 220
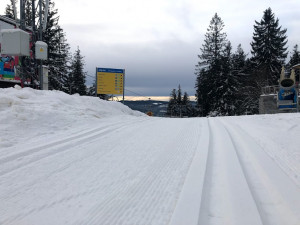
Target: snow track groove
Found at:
123, 181
192, 194
148, 191
226, 194
31, 155
276, 195
150, 171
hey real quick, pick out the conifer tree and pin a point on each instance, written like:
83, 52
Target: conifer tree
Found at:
28, 13
77, 76
187, 109
179, 96
241, 73
58, 51
228, 87
171, 109
179, 105
209, 70
268, 49
295, 57
294, 60
9, 10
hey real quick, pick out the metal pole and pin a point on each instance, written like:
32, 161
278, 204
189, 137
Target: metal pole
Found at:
33, 37
123, 86
41, 39
96, 89
22, 27
22, 14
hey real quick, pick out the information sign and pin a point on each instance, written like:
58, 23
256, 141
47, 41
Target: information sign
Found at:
110, 81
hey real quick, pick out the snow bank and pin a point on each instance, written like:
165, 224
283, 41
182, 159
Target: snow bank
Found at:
35, 113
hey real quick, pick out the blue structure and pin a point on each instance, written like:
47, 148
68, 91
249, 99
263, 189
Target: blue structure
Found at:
287, 97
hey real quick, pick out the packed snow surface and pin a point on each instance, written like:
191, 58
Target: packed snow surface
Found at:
68, 159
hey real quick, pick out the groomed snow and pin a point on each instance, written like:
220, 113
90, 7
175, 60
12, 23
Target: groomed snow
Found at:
69, 159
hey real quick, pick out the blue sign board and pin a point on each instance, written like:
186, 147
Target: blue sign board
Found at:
109, 70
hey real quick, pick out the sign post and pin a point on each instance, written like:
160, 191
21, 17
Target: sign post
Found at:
110, 81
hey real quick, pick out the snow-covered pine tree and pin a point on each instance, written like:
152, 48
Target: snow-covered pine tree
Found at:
268, 48
202, 89
209, 68
77, 76
294, 60
9, 10
179, 105
28, 13
187, 109
179, 95
61, 64
58, 50
228, 86
171, 109
242, 75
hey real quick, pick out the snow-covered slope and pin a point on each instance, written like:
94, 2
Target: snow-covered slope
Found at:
80, 160
28, 114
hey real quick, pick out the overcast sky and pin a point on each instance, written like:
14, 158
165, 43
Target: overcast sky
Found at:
157, 41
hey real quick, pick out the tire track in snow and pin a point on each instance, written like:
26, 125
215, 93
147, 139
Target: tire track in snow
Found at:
34, 154
276, 196
226, 196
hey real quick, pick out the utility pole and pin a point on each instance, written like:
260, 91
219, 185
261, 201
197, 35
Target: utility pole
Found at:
41, 39
22, 27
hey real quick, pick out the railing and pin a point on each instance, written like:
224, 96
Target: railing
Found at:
268, 90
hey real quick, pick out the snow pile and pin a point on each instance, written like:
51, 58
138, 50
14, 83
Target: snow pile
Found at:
27, 113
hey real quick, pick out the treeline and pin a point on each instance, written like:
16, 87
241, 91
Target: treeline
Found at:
180, 105
229, 83
66, 69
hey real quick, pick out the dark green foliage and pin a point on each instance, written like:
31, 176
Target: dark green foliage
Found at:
172, 103
58, 50
91, 91
208, 69
216, 84
240, 70
28, 13
294, 60
9, 11
179, 106
268, 48
77, 76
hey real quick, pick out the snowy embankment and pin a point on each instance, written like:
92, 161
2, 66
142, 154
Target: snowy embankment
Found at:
80, 160
28, 114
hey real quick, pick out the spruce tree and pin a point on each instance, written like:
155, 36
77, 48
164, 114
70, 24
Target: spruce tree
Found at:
209, 70
228, 87
9, 10
58, 51
77, 75
187, 109
240, 72
268, 49
28, 13
294, 60
179, 96
172, 105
